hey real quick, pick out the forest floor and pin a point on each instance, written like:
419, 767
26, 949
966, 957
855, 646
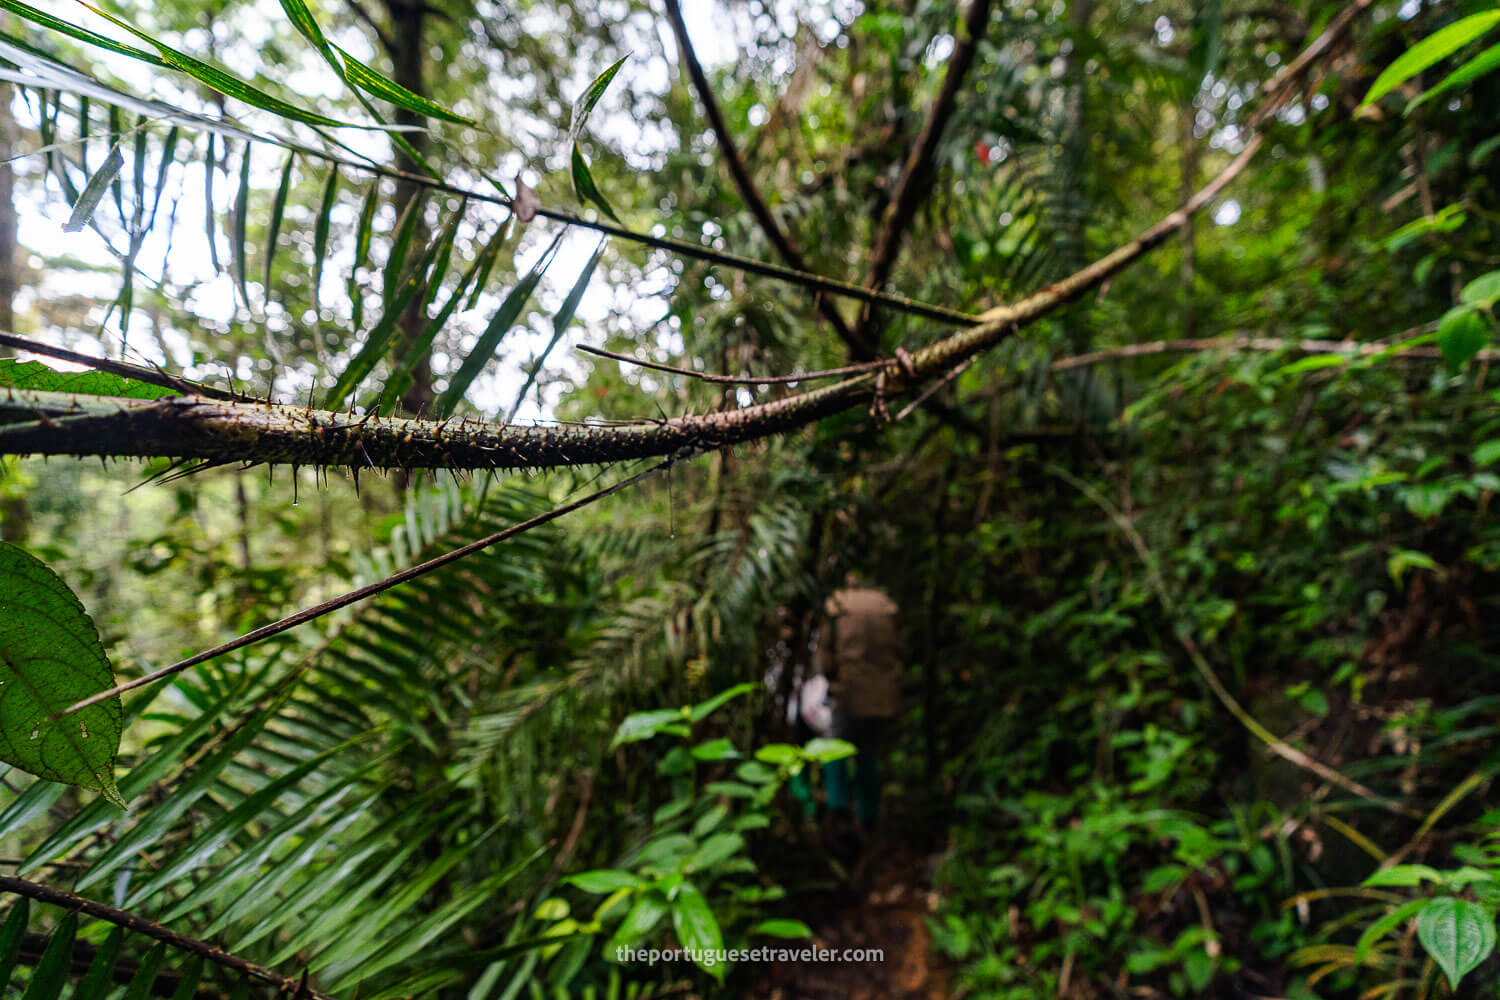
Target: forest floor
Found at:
882, 904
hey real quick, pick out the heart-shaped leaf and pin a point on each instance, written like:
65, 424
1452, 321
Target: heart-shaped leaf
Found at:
1457, 934
51, 657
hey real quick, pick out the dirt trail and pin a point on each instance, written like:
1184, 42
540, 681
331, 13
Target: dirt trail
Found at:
885, 906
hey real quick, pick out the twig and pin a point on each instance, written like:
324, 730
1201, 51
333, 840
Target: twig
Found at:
1274, 743
369, 590
955, 373
859, 345
913, 184
868, 366
140, 925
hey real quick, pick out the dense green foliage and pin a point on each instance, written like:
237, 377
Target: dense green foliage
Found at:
1199, 573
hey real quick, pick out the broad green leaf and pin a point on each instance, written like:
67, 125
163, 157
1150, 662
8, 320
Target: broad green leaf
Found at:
716, 749
1487, 453
644, 725
278, 212
372, 82
697, 929
1439, 45
777, 754
644, 915
11, 933
1457, 934
499, 325
36, 376
584, 186
1486, 62
704, 709
96, 982
716, 849
823, 750
782, 928
320, 231
1462, 334
710, 821
51, 973
1483, 291
603, 881
83, 208
1404, 875
50, 657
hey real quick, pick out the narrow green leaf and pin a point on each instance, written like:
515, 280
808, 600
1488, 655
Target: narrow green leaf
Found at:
97, 981
50, 657
1462, 334
584, 105
1437, 46
365, 226
51, 972
88, 201
380, 336
584, 186
302, 19
11, 933
487, 257
1486, 62
415, 351
782, 928
145, 975
82, 34
278, 211
226, 84
211, 222
1384, 926
697, 929
320, 231
704, 709
237, 227
114, 142
187, 986
560, 323
1457, 934
500, 324
406, 226
381, 86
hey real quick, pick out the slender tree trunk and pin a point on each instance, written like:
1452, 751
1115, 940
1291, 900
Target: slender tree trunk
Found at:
1189, 152
407, 48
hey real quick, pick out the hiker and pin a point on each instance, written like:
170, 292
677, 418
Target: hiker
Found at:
861, 651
